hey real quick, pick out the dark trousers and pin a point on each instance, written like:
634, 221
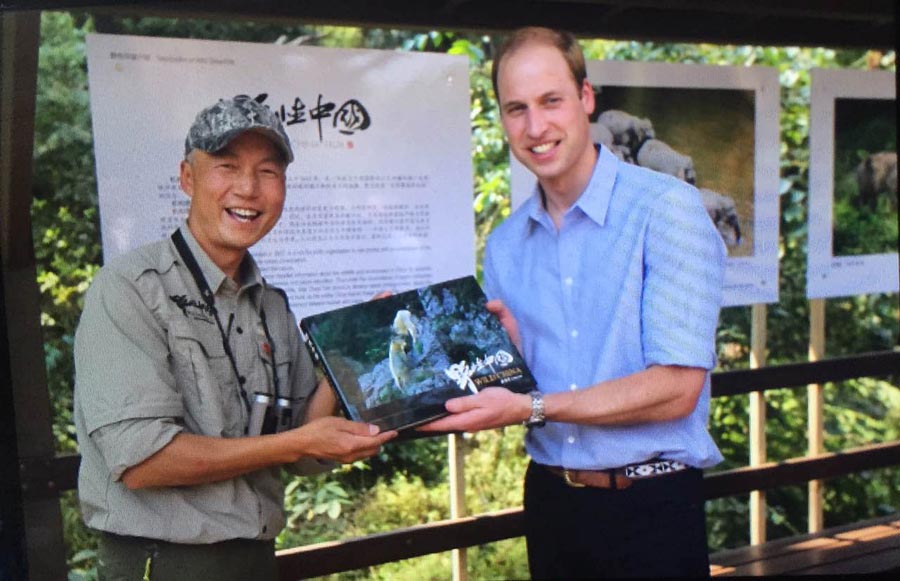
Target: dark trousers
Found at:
126, 558
654, 528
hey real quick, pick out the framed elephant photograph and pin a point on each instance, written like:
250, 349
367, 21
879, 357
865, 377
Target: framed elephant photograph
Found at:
853, 183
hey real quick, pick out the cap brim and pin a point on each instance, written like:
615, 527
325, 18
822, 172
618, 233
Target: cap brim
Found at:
273, 136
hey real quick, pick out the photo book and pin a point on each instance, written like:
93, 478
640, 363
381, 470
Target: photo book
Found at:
394, 361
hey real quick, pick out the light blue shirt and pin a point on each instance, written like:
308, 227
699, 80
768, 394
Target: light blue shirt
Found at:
633, 278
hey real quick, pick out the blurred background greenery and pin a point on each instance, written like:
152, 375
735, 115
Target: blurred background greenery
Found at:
407, 483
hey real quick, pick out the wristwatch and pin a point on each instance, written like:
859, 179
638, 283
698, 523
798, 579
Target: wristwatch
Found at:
536, 419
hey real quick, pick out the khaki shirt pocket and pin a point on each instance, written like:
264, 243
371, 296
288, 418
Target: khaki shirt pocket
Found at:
282, 370
203, 374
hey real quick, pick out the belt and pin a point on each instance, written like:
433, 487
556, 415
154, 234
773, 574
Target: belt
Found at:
615, 478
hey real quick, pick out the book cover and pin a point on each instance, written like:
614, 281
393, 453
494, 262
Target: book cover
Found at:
395, 361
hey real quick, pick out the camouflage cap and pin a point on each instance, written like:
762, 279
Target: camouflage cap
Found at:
218, 124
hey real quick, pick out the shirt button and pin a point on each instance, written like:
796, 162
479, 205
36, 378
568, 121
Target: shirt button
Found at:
573, 387
240, 331
571, 439
574, 333
568, 281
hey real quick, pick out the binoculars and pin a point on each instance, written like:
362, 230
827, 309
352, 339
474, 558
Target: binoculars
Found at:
271, 415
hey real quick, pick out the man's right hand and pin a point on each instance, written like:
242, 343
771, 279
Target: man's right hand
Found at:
507, 320
492, 407
338, 439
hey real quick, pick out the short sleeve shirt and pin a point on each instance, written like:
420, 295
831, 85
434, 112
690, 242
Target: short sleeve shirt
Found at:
632, 278
150, 363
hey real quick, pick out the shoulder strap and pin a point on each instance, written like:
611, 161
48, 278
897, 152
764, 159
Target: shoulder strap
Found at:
191, 263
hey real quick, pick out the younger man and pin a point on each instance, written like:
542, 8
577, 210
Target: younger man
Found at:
609, 278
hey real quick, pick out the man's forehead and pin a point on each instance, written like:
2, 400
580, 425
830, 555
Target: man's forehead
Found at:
531, 70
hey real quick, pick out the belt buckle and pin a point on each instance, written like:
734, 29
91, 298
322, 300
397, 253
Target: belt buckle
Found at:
568, 478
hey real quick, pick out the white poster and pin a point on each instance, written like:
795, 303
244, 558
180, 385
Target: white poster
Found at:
852, 184
713, 126
379, 196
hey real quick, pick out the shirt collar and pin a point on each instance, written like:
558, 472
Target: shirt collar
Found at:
594, 201
248, 272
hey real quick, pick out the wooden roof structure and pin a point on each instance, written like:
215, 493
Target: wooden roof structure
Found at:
31, 523
833, 23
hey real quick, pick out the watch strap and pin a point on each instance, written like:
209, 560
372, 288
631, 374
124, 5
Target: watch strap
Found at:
536, 419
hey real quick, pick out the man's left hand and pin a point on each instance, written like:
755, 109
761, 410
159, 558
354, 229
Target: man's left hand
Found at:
492, 407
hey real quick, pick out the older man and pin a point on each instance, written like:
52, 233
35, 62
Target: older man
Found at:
192, 386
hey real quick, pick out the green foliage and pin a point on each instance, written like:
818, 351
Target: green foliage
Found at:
311, 497
495, 469
400, 501
867, 232
502, 560
425, 458
490, 152
64, 213
81, 541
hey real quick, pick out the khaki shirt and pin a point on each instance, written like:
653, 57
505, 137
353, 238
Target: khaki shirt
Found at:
150, 363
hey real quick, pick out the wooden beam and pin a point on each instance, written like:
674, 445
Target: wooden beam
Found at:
757, 410
456, 457
12, 521
882, 363
815, 400
21, 308
326, 558
833, 23
47, 477
799, 471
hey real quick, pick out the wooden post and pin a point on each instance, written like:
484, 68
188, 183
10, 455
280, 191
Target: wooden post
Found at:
43, 538
456, 457
814, 405
12, 520
758, 424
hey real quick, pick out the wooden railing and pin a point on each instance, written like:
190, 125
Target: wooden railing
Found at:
43, 478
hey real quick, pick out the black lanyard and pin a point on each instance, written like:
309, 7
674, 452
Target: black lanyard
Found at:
191, 263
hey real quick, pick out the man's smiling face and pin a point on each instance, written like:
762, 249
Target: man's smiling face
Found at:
237, 195
545, 113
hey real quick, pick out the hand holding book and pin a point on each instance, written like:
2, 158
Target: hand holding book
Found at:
492, 407
338, 439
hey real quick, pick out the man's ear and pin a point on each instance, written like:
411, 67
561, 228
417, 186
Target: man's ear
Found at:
186, 178
587, 97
